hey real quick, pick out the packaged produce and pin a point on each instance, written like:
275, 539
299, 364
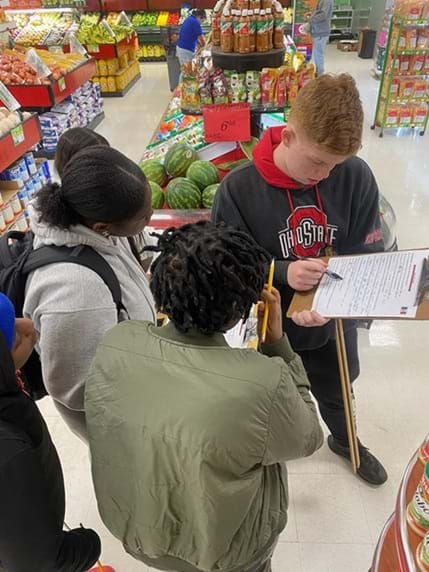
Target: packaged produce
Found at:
420, 89
253, 87
404, 64
219, 87
406, 88
293, 87
417, 63
268, 86
112, 66
419, 114
411, 39
236, 86
111, 84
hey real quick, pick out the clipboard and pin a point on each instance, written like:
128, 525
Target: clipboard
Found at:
302, 301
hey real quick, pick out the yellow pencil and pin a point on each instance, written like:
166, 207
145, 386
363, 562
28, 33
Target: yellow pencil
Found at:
267, 309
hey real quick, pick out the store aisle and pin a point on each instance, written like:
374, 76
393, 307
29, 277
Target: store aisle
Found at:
334, 519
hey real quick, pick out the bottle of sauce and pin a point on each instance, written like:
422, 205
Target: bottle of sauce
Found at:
244, 40
226, 35
216, 24
252, 31
261, 33
270, 28
278, 26
236, 30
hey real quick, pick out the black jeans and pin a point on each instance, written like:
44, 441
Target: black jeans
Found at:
323, 372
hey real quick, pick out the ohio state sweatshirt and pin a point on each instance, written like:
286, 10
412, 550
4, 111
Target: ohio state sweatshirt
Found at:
291, 221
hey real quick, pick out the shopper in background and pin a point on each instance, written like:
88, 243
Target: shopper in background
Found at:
191, 35
192, 477
320, 29
103, 198
77, 139
305, 193
32, 497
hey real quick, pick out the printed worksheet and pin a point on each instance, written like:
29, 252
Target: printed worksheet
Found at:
384, 285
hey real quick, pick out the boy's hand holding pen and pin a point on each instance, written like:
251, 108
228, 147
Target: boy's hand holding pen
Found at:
305, 273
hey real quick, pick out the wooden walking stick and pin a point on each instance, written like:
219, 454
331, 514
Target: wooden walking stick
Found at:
347, 395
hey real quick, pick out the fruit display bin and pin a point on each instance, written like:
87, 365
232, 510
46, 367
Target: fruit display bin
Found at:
46, 96
111, 51
21, 139
396, 548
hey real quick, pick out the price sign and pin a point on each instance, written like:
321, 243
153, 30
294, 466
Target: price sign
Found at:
18, 136
227, 122
7, 98
61, 84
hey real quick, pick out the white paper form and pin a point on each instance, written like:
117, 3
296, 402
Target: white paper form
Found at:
381, 285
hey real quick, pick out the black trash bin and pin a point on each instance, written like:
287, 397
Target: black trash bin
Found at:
169, 36
366, 44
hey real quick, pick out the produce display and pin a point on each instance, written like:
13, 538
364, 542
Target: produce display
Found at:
15, 70
151, 51
192, 184
10, 119
141, 19
246, 26
119, 81
267, 89
92, 31
43, 28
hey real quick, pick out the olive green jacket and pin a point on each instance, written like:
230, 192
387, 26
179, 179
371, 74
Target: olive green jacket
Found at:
188, 440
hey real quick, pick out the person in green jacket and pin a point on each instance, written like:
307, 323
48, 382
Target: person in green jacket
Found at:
188, 436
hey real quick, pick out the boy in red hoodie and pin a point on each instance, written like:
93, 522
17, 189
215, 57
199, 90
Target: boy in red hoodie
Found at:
304, 192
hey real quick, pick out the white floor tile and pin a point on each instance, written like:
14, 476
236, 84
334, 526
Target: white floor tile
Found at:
334, 519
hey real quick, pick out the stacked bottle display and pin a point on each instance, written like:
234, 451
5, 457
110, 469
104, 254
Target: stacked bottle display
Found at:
246, 26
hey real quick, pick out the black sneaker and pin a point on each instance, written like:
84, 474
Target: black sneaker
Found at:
370, 470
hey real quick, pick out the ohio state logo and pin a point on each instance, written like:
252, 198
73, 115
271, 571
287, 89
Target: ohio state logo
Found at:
307, 233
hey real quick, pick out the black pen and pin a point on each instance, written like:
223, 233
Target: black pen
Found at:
333, 275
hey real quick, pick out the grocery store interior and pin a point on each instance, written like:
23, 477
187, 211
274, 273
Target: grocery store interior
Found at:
122, 80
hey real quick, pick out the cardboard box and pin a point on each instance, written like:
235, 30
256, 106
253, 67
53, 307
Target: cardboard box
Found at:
347, 45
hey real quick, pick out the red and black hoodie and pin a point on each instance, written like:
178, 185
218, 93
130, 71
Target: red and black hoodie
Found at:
292, 221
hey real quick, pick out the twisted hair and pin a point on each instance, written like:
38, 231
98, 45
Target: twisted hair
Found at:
207, 276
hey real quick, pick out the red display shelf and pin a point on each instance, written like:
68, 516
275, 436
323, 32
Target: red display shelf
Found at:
110, 51
10, 152
43, 96
398, 543
164, 218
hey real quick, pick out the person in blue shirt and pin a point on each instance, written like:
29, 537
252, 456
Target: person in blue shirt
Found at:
190, 35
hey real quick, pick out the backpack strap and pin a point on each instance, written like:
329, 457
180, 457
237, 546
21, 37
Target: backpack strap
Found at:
82, 255
6, 258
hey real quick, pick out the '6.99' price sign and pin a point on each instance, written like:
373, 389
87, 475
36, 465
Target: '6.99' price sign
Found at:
227, 122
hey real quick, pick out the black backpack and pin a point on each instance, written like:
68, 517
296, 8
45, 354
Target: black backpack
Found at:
18, 260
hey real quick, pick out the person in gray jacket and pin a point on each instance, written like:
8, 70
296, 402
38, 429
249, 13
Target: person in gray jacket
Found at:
320, 29
104, 198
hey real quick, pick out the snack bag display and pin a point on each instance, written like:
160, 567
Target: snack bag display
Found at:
411, 39
420, 89
404, 64
268, 86
293, 87
419, 114
204, 86
253, 87
392, 116
281, 87
417, 63
190, 96
394, 88
219, 88
423, 39
406, 88
426, 66
405, 116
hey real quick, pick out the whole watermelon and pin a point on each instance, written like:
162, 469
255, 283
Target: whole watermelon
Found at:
203, 173
181, 193
158, 197
154, 171
178, 158
209, 194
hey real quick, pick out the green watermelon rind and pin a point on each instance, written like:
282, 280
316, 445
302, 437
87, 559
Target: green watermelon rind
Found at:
154, 171
183, 194
203, 174
157, 192
178, 159
209, 191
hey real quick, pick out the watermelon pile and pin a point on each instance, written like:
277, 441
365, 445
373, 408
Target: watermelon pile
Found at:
192, 182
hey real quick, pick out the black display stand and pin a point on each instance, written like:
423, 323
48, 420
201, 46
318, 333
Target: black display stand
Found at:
244, 62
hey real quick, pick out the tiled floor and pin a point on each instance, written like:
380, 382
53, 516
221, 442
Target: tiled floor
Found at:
334, 519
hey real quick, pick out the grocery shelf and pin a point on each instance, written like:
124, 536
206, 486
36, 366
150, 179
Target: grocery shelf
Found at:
111, 51
123, 91
45, 96
10, 151
41, 153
